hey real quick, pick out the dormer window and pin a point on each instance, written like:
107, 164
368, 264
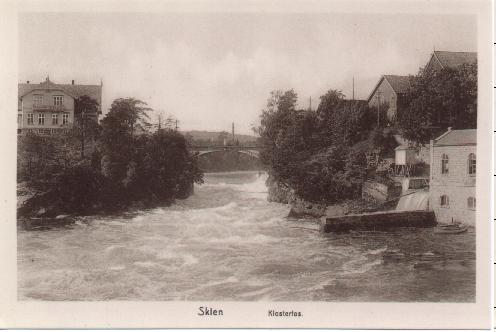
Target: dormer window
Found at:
58, 100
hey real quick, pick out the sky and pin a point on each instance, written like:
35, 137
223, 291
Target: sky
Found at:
212, 69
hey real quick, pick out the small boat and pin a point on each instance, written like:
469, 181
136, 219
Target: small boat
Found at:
454, 228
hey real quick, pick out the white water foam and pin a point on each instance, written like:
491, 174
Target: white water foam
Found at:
412, 202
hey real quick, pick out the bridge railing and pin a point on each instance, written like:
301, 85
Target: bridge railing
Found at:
225, 147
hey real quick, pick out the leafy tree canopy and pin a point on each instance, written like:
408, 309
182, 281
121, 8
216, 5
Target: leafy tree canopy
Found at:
438, 100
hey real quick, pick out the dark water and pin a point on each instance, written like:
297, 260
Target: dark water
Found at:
227, 242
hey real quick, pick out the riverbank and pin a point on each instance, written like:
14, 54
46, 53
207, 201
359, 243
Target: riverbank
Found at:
300, 208
44, 206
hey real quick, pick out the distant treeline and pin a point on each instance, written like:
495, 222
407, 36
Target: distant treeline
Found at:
106, 167
325, 155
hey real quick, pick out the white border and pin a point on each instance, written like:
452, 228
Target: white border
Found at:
132, 314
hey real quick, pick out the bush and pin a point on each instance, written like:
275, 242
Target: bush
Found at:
125, 168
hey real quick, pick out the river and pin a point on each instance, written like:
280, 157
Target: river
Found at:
226, 242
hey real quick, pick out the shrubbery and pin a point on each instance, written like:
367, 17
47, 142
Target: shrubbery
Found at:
128, 165
321, 154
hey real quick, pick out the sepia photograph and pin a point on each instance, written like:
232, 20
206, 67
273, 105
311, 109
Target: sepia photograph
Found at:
250, 156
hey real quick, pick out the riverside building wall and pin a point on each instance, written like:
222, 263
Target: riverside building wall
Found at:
453, 176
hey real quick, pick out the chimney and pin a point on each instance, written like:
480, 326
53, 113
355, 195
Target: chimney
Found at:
72, 82
27, 82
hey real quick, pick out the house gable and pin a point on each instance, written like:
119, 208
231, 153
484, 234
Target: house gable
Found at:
446, 59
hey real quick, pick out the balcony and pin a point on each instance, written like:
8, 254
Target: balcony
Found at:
51, 108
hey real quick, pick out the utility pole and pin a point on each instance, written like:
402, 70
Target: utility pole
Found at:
176, 125
233, 133
310, 105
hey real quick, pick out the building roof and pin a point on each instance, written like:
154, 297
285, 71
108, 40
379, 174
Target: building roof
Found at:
454, 59
457, 137
74, 90
399, 84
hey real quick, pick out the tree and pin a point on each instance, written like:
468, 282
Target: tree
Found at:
126, 118
127, 168
131, 113
165, 121
437, 100
275, 121
343, 121
86, 120
313, 152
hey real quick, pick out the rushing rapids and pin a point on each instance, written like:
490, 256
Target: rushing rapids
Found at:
226, 242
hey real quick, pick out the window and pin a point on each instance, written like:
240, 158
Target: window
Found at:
471, 203
30, 119
41, 119
444, 164
65, 118
471, 164
444, 201
58, 100
55, 119
37, 99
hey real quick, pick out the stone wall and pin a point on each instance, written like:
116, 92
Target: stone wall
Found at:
378, 221
379, 192
299, 207
304, 209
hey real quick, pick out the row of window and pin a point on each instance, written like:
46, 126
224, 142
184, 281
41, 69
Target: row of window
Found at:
44, 131
444, 201
41, 118
471, 164
57, 100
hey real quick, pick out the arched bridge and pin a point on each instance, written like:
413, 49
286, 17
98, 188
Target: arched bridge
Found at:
253, 151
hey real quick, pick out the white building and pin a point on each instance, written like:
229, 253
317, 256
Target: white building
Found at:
453, 173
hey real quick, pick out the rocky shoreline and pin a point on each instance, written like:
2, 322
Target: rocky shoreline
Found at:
43, 207
302, 209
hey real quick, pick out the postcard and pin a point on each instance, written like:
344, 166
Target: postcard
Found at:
247, 164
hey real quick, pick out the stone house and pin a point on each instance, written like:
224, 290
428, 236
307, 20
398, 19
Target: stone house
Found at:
452, 191
48, 108
388, 95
